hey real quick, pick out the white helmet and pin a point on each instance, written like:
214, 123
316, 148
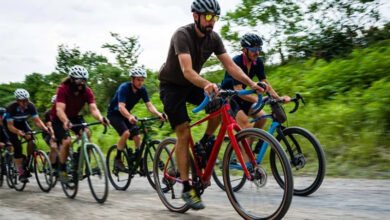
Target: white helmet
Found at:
78, 72
53, 99
21, 94
138, 72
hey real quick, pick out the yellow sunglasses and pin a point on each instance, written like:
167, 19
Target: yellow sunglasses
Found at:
210, 17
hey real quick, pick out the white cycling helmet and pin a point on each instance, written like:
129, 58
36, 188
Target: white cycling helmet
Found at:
78, 72
21, 94
53, 99
138, 72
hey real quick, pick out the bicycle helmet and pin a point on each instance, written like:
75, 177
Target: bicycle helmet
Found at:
138, 72
205, 6
21, 94
78, 72
2, 111
53, 99
251, 40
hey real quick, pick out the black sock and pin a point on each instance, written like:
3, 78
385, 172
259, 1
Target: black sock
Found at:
186, 187
118, 154
62, 166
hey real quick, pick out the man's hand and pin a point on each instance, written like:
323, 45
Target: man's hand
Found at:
258, 88
104, 121
132, 119
286, 99
163, 117
20, 133
210, 88
67, 125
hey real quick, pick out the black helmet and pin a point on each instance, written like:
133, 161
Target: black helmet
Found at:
204, 6
2, 111
251, 40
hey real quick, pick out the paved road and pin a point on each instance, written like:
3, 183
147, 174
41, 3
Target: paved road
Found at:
336, 199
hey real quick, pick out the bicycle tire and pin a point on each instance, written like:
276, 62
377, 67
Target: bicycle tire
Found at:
18, 186
308, 150
99, 173
217, 172
71, 186
43, 171
10, 172
259, 198
2, 170
115, 175
148, 159
166, 188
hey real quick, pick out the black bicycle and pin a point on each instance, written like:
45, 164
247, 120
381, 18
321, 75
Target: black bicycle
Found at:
38, 162
6, 161
138, 162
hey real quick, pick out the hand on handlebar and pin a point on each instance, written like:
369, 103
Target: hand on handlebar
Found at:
286, 99
210, 88
163, 116
20, 133
260, 87
132, 119
67, 125
104, 121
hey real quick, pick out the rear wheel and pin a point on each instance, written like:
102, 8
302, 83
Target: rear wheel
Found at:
307, 162
43, 171
167, 177
148, 161
2, 170
97, 175
261, 197
10, 170
120, 179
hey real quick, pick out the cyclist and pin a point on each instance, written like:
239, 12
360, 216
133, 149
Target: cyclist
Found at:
4, 142
125, 98
180, 82
252, 65
72, 94
50, 139
16, 116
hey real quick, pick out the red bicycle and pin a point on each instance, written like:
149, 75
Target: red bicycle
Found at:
263, 198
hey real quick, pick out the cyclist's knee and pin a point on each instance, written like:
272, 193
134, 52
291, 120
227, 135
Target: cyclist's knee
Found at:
66, 142
137, 137
126, 134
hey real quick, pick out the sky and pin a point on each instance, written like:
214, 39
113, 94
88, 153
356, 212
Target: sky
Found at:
31, 30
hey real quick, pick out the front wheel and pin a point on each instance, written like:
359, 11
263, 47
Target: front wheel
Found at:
120, 177
307, 160
97, 174
43, 171
167, 177
18, 185
70, 187
10, 170
148, 161
261, 197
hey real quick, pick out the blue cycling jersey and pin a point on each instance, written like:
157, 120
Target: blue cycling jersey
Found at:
126, 95
14, 113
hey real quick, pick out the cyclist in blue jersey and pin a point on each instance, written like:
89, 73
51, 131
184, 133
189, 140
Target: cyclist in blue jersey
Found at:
252, 65
16, 116
125, 98
4, 141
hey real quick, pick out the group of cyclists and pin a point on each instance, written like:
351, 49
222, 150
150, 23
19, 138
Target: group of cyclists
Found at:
180, 83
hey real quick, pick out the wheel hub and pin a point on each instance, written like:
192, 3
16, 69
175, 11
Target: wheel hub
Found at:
259, 176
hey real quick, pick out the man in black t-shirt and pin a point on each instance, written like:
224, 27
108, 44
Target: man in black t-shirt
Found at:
16, 116
190, 47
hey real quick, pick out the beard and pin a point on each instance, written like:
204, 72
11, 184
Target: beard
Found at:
206, 31
77, 88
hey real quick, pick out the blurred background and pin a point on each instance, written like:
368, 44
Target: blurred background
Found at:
336, 53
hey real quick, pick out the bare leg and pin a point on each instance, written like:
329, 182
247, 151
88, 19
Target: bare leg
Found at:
182, 152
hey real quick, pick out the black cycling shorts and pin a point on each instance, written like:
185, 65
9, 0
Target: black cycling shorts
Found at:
174, 99
122, 124
238, 104
59, 131
14, 139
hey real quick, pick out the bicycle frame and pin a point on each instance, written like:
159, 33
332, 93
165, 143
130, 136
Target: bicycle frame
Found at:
82, 157
228, 125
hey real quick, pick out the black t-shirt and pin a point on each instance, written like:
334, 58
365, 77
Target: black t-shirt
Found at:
185, 41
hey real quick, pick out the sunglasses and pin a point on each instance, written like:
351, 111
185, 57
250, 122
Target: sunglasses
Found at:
23, 100
210, 17
254, 49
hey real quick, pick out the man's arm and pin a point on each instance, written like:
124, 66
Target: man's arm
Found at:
154, 111
123, 110
191, 75
249, 98
38, 122
13, 129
